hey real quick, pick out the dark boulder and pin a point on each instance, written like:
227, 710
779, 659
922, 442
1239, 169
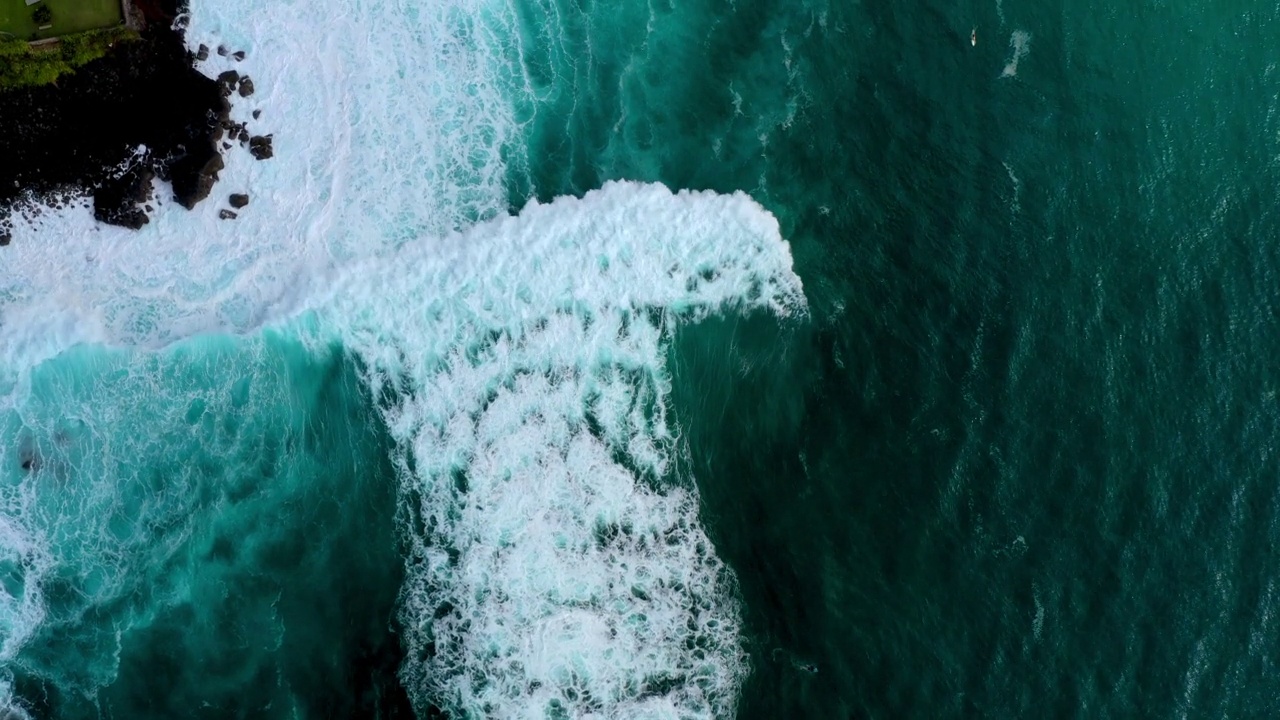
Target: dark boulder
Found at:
238, 55
5, 239
246, 86
260, 147
193, 175
202, 53
238, 200
257, 114
227, 81
225, 214
222, 50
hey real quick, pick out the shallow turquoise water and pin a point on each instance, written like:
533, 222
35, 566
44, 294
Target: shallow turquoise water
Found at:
1018, 460
221, 544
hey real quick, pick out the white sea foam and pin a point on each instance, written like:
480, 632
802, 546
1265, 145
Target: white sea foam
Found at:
554, 560
1015, 204
389, 124
1019, 45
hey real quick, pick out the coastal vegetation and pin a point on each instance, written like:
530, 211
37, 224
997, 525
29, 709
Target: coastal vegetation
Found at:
23, 64
64, 17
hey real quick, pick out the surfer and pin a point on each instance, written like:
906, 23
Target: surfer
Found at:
973, 37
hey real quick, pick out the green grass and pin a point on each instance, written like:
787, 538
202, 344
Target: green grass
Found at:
23, 66
69, 16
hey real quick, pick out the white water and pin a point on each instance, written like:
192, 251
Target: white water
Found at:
1019, 46
528, 352
532, 376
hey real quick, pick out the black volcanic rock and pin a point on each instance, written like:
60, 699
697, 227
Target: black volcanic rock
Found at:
194, 174
57, 141
238, 200
225, 214
260, 147
222, 50
117, 200
228, 82
238, 55
202, 53
257, 114
246, 86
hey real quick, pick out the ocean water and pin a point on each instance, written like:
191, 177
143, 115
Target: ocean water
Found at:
669, 360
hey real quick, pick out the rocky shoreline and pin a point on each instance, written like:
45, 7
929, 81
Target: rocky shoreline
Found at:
107, 131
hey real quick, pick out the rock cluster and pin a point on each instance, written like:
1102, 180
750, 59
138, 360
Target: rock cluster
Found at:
110, 129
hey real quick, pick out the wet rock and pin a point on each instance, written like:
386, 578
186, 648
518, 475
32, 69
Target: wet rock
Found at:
53, 142
260, 147
194, 175
225, 214
117, 200
238, 55
244, 135
257, 114
238, 200
202, 53
226, 145
5, 239
222, 50
227, 81
246, 86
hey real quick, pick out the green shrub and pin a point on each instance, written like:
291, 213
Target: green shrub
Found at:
24, 66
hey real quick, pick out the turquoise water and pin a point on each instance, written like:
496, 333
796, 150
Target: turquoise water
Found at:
1016, 459
221, 544
1020, 462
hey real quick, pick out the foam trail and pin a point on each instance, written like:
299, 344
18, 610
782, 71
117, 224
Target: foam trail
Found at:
1020, 43
555, 566
1015, 204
